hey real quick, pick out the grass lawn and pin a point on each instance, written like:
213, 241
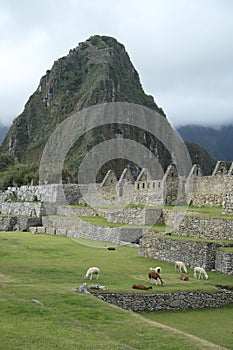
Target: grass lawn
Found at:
101, 221
48, 269
202, 323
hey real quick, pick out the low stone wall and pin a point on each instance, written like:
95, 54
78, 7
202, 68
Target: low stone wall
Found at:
7, 223
127, 216
207, 228
22, 208
12, 223
224, 262
172, 218
227, 204
69, 211
135, 216
207, 191
81, 229
46, 193
60, 194
148, 193
167, 301
192, 253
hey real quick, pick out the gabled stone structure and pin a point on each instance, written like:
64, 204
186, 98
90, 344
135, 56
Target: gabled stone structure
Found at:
195, 171
108, 187
220, 168
110, 179
230, 171
144, 175
125, 179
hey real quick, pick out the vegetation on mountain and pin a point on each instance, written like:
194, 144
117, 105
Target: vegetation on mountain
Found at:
200, 156
14, 173
99, 70
218, 142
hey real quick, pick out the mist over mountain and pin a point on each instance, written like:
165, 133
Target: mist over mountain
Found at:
218, 142
3, 131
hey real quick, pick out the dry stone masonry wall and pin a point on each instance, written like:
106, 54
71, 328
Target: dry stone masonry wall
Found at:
207, 228
167, 301
192, 253
24, 207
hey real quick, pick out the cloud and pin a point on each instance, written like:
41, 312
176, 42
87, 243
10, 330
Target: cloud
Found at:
182, 50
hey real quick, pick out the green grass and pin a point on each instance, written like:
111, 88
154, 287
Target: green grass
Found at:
49, 268
205, 212
227, 249
101, 221
214, 209
215, 325
197, 239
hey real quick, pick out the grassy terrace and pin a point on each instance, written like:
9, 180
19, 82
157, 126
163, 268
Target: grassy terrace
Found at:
100, 221
208, 212
226, 242
48, 269
214, 212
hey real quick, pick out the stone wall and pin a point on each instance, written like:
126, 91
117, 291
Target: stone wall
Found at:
192, 253
148, 193
207, 228
200, 191
12, 223
167, 301
22, 208
207, 191
81, 229
227, 205
7, 223
224, 262
62, 194
135, 216
69, 211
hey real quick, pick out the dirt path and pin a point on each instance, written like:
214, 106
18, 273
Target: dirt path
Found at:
206, 344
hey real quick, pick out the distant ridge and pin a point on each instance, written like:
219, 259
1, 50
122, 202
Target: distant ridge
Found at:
3, 131
218, 142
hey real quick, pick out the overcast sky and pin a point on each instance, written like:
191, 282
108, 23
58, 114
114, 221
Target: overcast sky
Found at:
182, 50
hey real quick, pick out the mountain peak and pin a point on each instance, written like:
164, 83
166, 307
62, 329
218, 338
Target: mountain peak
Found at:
98, 70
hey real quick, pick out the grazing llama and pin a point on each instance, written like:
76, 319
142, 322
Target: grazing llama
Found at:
179, 266
92, 271
201, 272
156, 269
155, 276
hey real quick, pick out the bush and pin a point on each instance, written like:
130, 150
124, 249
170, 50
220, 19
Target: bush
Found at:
18, 175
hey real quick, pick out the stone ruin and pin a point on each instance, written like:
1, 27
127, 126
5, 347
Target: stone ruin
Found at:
131, 202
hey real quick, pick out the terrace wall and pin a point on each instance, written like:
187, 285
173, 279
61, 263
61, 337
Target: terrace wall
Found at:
192, 253
167, 301
205, 227
224, 262
81, 229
